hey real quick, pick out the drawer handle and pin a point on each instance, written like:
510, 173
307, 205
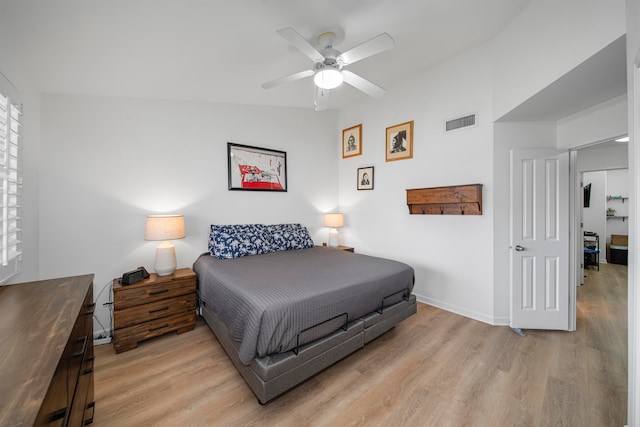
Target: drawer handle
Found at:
91, 406
60, 414
84, 340
159, 327
90, 309
159, 309
161, 291
90, 369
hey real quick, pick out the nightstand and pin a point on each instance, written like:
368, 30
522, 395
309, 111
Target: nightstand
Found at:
153, 307
342, 248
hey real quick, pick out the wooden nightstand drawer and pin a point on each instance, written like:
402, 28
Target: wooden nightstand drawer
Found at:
154, 306
128, 338
154, 310
151, 290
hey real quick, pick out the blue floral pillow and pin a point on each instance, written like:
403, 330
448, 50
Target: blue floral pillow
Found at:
290, 236
234, 241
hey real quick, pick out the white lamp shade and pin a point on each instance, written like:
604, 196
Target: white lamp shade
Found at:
165, 228
334, 220
328, 79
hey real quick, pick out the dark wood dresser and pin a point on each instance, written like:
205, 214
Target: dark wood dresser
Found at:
46, 352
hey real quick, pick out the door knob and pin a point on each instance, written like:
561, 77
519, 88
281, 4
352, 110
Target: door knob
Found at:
519, 248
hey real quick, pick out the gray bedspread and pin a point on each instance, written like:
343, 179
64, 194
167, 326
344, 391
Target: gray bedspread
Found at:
267, 300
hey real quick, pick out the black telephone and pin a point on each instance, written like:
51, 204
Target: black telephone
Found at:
134, 276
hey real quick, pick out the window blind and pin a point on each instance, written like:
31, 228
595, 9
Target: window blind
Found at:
10, 188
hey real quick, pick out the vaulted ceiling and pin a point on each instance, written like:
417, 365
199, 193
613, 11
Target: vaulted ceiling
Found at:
222, 51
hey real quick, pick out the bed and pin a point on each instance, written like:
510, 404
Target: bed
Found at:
284, 309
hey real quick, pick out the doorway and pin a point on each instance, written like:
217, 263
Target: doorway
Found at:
603, 204
605, 217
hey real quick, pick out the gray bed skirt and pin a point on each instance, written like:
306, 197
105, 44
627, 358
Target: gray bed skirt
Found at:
272, 375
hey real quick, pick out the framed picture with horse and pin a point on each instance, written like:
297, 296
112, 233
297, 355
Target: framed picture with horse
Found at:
256, 169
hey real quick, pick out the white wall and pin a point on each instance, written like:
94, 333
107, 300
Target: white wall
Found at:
108, 162
454, 268
599, 123
603, 157
548, 39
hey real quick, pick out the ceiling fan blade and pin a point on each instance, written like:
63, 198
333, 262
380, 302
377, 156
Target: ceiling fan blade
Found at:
287, 79
322, 99
293, 37
362, 84
369, 48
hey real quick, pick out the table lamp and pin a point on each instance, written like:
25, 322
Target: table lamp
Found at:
334, 221
164, 228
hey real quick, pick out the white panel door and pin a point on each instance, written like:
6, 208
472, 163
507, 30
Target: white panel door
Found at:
539, 239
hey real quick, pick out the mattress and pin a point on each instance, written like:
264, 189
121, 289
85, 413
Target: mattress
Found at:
277, 302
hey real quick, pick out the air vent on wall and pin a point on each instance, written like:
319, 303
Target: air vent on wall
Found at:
460, 122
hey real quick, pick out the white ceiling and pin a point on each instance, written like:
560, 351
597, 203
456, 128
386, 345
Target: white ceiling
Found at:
221, 51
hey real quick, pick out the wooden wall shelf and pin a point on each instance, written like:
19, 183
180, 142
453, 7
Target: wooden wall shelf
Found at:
453, 200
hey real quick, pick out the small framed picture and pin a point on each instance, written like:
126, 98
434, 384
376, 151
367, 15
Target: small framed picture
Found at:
400, 142
365, 178
352, 141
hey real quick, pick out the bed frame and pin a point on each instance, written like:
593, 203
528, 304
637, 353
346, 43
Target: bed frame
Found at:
272, 375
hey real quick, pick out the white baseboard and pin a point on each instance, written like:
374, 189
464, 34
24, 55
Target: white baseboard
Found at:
481, 317
101, 341
101, 337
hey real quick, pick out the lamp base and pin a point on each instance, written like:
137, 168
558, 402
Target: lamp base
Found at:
165, 261
334, 238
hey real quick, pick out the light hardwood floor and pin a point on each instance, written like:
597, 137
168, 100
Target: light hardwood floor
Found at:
434, 369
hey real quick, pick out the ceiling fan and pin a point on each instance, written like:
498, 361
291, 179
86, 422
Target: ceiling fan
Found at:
328, 71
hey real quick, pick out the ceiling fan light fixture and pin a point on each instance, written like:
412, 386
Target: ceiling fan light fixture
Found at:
328, 78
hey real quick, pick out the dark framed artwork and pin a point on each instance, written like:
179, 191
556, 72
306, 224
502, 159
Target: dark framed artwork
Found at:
352, 141
399, 142
365, 178
587, 195
256, 169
